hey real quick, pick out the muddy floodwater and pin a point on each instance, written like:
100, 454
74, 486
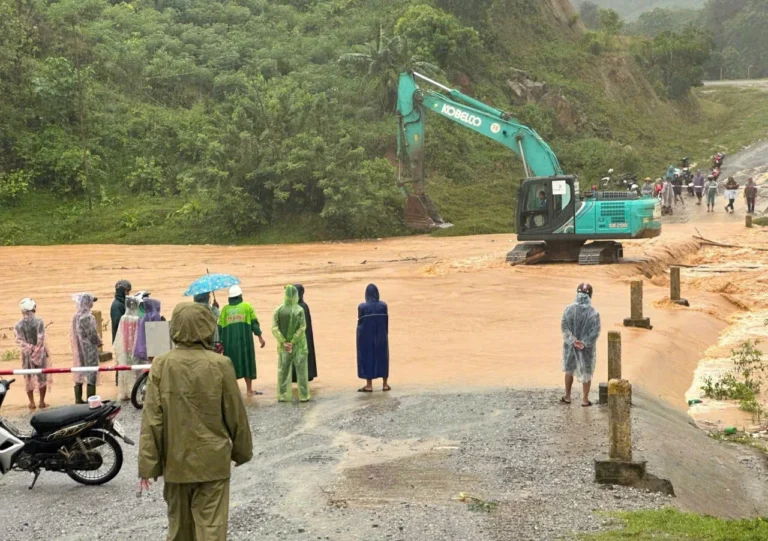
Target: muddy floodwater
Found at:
459, 317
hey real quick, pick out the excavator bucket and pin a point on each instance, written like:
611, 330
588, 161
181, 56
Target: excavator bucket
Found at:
421, 213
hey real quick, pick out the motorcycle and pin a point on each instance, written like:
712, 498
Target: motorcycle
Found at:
77, 440
717, 160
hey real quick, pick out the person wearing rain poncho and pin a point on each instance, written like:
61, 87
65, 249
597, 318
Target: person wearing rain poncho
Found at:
124, 346
289, 327
581, 328
85, 341
372, 340
311, 358
237, 325
151, 313
667, 197
194, 425
30, 337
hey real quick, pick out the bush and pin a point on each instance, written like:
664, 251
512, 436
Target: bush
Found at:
744, 382
13, 185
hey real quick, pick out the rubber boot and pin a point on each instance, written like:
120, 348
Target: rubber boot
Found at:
91, 390
79, 393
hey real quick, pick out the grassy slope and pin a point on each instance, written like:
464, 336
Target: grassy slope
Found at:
633, 8
674, 525
472, 180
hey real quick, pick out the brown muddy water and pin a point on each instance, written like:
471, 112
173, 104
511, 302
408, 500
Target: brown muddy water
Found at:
459, 317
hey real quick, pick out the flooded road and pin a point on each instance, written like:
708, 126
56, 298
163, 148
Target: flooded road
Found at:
459, 317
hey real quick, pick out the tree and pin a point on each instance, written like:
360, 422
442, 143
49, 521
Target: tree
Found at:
440, 37
677, 60
590, 13
610, 22
383, 63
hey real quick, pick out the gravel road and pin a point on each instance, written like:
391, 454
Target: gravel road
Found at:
381, 466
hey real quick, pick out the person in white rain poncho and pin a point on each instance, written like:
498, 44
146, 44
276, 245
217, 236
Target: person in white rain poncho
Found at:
125, 343
581, 328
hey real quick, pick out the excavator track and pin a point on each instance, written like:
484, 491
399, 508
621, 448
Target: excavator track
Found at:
601, 253
522, 254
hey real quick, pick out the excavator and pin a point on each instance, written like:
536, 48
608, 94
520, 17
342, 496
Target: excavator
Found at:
556, 222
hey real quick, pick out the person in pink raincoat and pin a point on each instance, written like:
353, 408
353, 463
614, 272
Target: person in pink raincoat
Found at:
30, 336
85, 340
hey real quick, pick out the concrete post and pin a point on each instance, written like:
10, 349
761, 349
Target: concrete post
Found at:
636, 310
636, 298
749, 220
620, 423
674, 283
614, 355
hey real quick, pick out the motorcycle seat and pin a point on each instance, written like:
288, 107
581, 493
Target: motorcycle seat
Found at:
48, 421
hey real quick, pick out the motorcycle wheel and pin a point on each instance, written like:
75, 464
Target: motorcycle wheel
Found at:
139, 391
112, 459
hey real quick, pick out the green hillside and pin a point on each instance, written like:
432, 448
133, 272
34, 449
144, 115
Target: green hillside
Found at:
200, 121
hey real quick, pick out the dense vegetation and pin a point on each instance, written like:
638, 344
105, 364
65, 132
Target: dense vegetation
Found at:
272, 120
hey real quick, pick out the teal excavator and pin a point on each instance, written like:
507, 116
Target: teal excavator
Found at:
555, 221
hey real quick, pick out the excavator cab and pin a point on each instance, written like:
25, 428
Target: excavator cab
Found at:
546, 206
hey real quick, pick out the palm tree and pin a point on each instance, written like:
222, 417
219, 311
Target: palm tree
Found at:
383, 63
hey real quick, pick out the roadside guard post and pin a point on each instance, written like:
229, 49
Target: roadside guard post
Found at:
614, 364
636, 318
674, 287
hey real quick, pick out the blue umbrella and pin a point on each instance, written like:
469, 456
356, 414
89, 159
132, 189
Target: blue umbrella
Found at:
209, 283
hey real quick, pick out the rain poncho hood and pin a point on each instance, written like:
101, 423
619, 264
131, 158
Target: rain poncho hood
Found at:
580, 321
151, 313
193, 326
670, 173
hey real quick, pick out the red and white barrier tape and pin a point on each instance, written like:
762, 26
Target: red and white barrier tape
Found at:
35, 371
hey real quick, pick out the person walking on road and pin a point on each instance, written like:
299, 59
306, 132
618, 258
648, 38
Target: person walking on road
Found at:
667, 198
731, 189
85, 341
30, 337
289, 327
750, 194
238, 324
194, 424
581, 328
373, 340
710, 188
698, 186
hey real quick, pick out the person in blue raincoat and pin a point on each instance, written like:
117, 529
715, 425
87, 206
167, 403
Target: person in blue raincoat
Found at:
372, 340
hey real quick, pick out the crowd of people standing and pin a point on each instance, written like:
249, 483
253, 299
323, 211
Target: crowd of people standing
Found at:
233, 336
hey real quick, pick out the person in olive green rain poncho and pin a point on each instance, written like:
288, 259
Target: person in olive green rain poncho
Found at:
193, 425
289, 327
237, 325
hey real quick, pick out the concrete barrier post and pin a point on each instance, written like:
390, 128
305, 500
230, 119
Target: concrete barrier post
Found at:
620, 423
674, 283
636, 318
614, 355
749, 220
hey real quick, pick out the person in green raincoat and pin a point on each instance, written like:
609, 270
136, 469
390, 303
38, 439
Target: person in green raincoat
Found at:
289, 327
237, 325
194, 424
